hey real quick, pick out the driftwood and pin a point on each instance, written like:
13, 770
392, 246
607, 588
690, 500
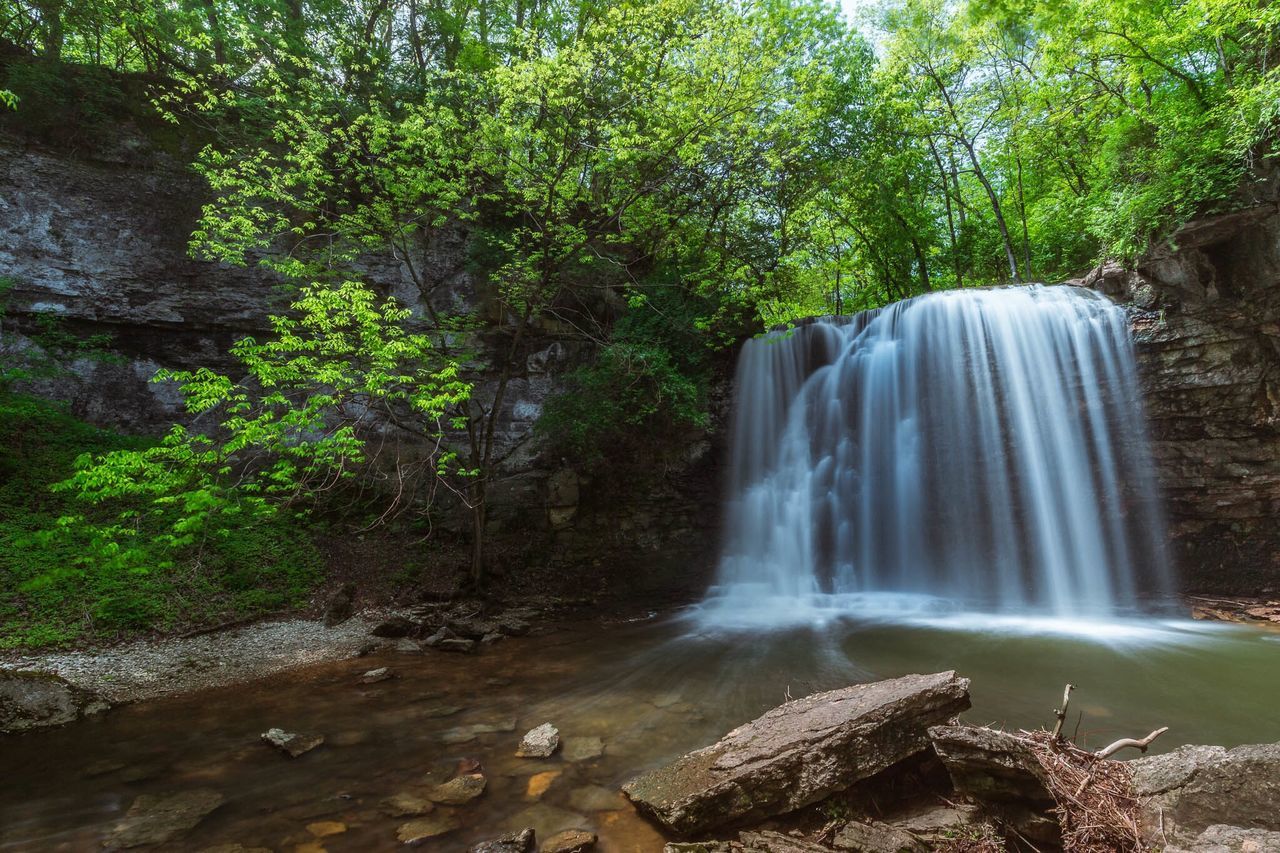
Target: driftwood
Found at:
1139, 744
1061, 713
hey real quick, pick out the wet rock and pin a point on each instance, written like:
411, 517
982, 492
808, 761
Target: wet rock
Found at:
373, 676
513, 842
595, 798
466, 734
349, 738
539, 783
458, 790
405, 646
490, 639
417, 831
291, 743
698, 847
32, 700
582, 748
367, 648
459, 645
545, 819
161, 818
325, 828
1184, 793
876, 837
799, 753
340, 607
569, 841
539, 742
407, 804
234, 848
394, 628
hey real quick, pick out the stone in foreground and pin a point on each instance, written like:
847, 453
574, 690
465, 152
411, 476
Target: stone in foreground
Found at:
799, 753
161, 818
512, 842
291, 743
540, 742
1210, 798
570, 841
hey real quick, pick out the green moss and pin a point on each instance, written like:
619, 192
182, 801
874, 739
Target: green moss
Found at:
50, 597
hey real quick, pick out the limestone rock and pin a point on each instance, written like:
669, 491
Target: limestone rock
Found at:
799, 753
458, 790
161, 818
991, 765
31, 700
776, 842
512, 842
291, 743
539, 742
1184, 793
416, 831
373, 676
876, 837
569, 841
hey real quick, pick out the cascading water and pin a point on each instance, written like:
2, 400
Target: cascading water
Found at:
980, 448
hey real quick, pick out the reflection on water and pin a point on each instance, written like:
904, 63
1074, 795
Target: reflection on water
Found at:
647, 691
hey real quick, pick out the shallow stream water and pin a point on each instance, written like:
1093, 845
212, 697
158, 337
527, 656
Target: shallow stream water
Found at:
648, 690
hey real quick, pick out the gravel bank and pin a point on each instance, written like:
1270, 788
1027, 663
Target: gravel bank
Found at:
147, 669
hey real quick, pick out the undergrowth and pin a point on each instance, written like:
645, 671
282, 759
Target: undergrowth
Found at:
51, 596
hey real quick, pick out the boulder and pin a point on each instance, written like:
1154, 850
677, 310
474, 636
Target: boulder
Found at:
1224, 793
1001, 772
799, 753
291, 743
540, 742
512, 842
393, 628
569, 841
340, 607
32, 700
161, 818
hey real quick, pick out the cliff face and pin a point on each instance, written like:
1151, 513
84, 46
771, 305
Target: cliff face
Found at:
96, 236
1206, 321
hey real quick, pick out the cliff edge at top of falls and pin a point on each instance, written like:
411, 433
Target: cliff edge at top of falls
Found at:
1205, 309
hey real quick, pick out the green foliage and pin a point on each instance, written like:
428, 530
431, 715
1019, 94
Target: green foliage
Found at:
643, 392
50, 596
291, 430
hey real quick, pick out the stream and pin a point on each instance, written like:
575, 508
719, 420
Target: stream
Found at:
647, 690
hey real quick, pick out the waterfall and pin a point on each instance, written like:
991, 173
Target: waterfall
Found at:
974, 449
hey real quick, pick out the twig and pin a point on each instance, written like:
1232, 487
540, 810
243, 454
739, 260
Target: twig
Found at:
1138, 744
1061, 713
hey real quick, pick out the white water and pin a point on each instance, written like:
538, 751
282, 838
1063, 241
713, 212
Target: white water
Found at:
964, 451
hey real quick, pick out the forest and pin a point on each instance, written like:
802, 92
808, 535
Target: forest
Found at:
656, 179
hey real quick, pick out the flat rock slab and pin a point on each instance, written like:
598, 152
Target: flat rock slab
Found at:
160, 818
540, 742
291, 744
799, 753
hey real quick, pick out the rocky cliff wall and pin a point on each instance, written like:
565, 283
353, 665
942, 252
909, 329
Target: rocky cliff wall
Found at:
1206, 321
96, 236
